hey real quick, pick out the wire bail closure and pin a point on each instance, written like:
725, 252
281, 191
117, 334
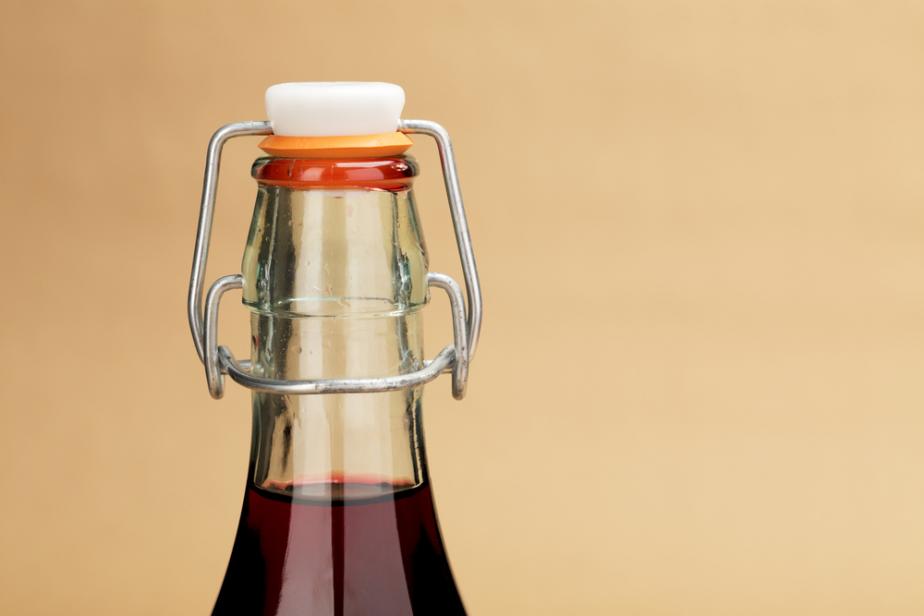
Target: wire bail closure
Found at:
203, 320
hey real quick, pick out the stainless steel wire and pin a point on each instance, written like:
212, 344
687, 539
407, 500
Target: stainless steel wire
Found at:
203, 320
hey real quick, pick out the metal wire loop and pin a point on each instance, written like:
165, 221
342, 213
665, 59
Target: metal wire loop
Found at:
203, 320
219, 360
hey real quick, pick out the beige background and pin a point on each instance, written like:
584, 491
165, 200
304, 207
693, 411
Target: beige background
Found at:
701, 231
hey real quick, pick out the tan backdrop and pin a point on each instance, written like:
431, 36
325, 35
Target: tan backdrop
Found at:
701, 232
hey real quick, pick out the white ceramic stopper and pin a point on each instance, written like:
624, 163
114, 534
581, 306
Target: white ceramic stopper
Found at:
334, 108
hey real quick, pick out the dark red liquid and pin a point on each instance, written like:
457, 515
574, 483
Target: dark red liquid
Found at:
377, 552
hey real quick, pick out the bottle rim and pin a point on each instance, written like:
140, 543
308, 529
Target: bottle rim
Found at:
391, 173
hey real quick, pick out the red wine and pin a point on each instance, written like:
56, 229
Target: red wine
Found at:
360, 549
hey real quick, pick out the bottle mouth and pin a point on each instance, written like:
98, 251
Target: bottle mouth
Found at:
391, 173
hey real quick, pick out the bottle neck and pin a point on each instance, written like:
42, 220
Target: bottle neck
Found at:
335, 277
339, 518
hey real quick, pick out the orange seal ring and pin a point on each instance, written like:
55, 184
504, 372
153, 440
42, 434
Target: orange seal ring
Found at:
349, 146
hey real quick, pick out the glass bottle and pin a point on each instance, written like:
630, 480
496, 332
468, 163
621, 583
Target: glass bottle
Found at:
338, 516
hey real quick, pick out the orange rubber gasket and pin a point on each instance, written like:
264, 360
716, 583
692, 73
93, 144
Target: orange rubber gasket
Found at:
391, 173
350, 146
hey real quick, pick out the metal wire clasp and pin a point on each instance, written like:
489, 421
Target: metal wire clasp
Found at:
203, 320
